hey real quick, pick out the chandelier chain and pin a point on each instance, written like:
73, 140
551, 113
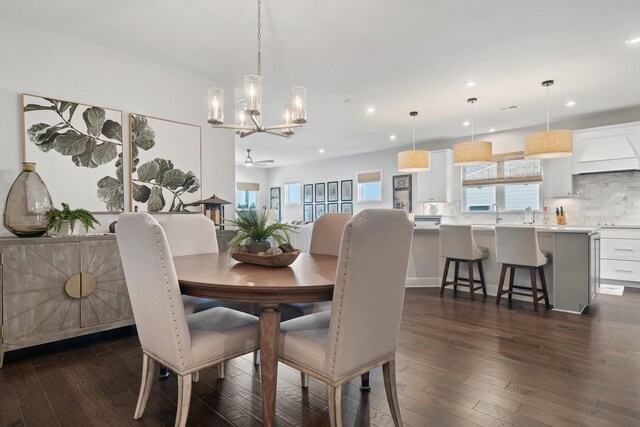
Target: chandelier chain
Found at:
547, 107
259, 26
472, 122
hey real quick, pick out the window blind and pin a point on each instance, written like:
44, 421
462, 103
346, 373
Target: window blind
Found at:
247, 186
509, 168
364, 177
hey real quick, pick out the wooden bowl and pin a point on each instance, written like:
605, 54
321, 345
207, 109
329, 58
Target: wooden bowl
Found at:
281, 260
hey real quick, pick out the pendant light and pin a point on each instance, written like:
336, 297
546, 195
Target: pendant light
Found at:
550, 143
472, 153
413, 160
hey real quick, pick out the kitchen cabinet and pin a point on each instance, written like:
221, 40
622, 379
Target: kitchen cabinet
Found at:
620, 256
557, 178
58, 288
441, 183
606, 148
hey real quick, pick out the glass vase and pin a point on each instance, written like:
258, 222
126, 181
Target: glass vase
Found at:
27, 204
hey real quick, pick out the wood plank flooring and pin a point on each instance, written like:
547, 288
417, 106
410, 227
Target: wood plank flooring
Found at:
460, 363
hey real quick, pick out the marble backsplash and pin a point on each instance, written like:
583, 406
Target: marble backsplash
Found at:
598, 199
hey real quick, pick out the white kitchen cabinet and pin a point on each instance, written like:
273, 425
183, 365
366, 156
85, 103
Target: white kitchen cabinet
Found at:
620, 256
557, 178
606, 148
441, 183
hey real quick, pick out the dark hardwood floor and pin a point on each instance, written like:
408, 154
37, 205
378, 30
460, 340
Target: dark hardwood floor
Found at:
459, 363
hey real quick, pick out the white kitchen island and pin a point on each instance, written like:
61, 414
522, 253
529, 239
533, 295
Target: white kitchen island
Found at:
573, 275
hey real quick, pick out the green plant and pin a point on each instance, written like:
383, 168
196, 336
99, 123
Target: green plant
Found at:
256, 227
55, 218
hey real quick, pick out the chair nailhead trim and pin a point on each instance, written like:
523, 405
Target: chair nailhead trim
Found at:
166, 282
344, 281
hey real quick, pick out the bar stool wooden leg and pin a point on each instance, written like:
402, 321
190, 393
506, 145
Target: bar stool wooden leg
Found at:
444, 275
534, 288
512, 276
501, 283
455, 278
543, 282
484, 284
471, 282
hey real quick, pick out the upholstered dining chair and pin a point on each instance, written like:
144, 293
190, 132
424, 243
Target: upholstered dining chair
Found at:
361, 331
184, 343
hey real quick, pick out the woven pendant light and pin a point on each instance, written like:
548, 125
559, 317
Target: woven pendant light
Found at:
550, 143
472, 153
413, 160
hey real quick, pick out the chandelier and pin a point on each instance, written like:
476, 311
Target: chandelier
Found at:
249, 110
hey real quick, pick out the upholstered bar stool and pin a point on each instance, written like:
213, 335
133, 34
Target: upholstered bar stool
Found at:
457, 245
517, 247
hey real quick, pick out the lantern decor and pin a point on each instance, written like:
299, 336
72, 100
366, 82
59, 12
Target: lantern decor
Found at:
214, 209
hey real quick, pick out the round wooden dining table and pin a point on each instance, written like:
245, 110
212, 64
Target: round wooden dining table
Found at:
310, 278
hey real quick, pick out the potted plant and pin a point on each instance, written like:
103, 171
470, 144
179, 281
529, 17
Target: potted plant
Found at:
63, 222
254, 230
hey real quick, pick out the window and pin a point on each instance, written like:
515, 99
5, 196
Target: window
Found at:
247, 195
369, 186
293, 192
511, 182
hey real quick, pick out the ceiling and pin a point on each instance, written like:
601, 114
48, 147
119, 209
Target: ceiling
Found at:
396, 56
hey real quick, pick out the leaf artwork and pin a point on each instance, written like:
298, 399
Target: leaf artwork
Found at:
97, 143
157, 175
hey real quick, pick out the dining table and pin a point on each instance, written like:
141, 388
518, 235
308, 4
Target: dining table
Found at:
310, 278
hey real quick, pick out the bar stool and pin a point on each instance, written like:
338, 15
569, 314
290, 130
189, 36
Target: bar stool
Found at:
517, 247
457, 245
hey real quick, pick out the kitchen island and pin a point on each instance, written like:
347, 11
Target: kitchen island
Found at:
573, 274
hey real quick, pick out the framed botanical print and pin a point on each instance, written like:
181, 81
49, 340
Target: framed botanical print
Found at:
274, 201
346, 207
332, 207
320, 210
402, 192
332, 191
320, 188
78, 151
307, 213
346, 190
308, 193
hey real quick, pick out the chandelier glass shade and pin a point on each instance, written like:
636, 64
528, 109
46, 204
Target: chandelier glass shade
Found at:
413, 160
248, 111
550, 143
472, 153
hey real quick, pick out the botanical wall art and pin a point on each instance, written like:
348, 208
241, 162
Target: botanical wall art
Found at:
308, 193
347, 207
308, 213
165, 164
402, 192
320, 210
332, 191
274, 201
320, 189
346, 190
77, 149
332, 207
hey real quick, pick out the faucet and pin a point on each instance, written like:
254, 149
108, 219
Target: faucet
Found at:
498, 219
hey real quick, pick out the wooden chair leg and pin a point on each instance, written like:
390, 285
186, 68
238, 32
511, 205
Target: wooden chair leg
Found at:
221, 369
543, 282
256, 357
482, 281
389, 373
512, 277
444, 276
196, 376
304, 380
364, 382
148, 372
501, 283
184, 399
534, 288
455, 277
471, 282
334, 398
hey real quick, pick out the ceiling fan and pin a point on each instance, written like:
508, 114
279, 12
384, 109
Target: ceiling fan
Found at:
248, 161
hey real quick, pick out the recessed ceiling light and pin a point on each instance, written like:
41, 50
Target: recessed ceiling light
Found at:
571, 104
321, 150
371, 110
492, 130
635, 40
392, 137
470, 83
466, 123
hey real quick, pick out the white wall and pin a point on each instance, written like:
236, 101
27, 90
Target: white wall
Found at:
257, 175
49, 64
346, 167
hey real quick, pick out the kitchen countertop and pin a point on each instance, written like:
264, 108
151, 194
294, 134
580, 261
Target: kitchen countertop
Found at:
540, 228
